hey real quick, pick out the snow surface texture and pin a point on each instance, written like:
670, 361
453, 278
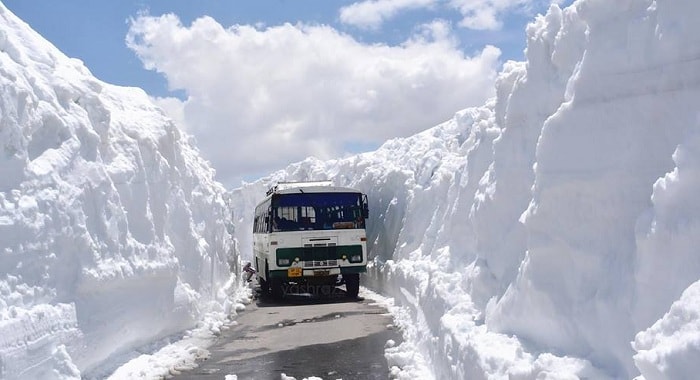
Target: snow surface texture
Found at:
169, 359
113, 233
540, 234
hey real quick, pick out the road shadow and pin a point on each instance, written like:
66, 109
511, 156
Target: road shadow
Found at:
357, 359
302, 297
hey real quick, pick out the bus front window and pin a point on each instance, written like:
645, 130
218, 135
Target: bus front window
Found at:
317, 211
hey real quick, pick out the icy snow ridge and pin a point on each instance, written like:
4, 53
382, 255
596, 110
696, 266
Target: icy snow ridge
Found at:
112, 229
535, 236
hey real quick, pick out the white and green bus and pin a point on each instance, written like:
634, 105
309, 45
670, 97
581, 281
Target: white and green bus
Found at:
309, 237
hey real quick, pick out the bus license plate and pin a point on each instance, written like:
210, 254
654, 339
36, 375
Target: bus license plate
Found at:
321, 272
294, 272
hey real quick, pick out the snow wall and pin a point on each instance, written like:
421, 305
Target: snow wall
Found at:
547, 233
113, 233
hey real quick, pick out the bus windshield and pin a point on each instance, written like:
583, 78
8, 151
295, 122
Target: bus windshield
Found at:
317, 211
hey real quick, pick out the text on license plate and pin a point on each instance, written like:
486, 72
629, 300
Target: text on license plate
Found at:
321, 272
294, 272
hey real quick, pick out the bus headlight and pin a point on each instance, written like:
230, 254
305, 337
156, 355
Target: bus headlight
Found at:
356, 258
283, 262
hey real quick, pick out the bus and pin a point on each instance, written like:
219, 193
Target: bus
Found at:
309, 237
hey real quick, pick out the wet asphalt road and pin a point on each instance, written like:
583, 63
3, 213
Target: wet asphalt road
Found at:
327, 337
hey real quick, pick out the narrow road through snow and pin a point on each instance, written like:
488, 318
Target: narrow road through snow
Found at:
330, 338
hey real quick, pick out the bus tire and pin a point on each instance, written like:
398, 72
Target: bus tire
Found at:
263, 285
264, 282
352, 284
277, 288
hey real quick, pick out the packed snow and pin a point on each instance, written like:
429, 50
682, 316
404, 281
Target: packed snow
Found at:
113, 233
550, 234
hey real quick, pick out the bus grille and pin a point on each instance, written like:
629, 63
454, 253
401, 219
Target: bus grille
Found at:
320, 263
314, 254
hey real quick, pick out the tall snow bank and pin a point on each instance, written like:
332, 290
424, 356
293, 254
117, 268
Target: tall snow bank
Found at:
595, 268
535, 236
628, 105
668, 237
112, 229
670, 348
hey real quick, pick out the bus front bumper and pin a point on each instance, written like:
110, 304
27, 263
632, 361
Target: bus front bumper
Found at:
292, 273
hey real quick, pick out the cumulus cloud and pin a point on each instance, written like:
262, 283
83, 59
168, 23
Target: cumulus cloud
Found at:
370, 14
258, 99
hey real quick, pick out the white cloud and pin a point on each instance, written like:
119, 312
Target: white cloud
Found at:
260, 99
371, 14
173, 108
486, 14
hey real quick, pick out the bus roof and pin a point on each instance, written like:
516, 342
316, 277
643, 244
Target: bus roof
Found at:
290, 185
317, 189
309, 187
306, 187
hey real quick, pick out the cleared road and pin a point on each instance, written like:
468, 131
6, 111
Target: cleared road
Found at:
331, 338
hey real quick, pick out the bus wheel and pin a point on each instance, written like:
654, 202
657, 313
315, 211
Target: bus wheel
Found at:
352, 284
264, 284
277, 288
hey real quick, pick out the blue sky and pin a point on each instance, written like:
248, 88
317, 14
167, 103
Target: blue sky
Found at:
338, 80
